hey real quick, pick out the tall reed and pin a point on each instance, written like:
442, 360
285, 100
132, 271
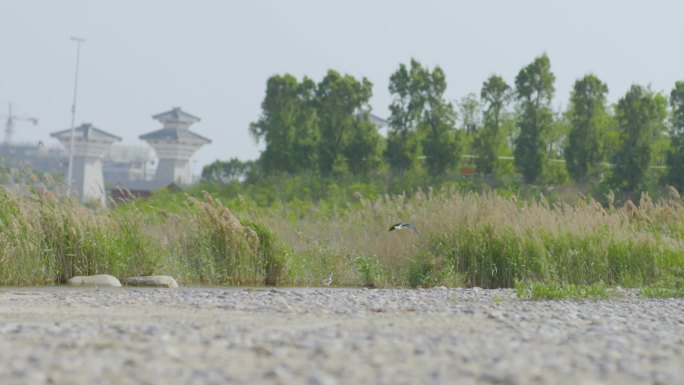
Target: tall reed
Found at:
463, 239
46, 240
211, 246
488, 240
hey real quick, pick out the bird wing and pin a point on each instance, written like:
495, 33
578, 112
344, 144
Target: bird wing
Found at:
412, 227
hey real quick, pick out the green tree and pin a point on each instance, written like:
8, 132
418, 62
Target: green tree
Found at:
226, 171
469, 113
440, 142
534, 90
307, 131
348, 140
468, 120
587, 116
675, 155
422, 122
640, 117
363, 151
288, 125
495, 94
403, 145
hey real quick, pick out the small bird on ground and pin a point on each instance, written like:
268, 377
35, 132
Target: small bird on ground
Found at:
328, 280
400, 226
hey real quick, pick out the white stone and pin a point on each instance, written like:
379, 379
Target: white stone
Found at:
95, 280
152, 280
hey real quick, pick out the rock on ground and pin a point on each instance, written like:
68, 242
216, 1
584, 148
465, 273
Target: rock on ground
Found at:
152, 281
95, 280
334, 336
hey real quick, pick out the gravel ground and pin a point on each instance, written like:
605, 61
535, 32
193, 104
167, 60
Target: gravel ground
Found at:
334, 336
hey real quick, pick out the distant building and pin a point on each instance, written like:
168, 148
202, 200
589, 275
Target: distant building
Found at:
90, 144
174, 144
38, 157
122, 163
378, 121
101, 165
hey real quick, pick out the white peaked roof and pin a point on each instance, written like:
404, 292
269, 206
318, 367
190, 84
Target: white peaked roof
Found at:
88, 132
176, 127
176, 115
173, 134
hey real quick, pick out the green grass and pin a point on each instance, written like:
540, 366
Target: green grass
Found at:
662, 292
490, 241
370, 271
673, 288
47, 240
465, 239
555, 291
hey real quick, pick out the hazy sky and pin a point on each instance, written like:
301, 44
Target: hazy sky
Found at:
212, 58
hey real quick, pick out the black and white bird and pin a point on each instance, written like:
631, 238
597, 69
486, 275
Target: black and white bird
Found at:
401, 226
328, 280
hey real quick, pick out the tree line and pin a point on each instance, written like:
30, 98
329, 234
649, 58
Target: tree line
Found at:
326, 129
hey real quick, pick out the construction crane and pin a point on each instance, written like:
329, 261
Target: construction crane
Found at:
9, 126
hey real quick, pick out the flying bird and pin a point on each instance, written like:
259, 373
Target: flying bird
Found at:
328, 280
400, 226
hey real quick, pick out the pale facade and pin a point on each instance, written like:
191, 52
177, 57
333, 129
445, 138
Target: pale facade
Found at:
174, 144
90, 143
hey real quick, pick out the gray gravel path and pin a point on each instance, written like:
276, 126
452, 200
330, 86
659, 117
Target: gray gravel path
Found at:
334, 336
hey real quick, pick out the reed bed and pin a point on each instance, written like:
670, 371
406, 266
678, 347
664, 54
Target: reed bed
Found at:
463, 239
47, 240
486, 240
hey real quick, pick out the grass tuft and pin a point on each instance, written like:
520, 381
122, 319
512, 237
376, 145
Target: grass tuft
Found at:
665, 289
47, 240
555, 291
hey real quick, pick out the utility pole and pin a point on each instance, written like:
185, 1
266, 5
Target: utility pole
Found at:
9, 127
73, 115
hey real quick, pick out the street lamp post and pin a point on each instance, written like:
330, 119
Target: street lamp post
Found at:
73, 116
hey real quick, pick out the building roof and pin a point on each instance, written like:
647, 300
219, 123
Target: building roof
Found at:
176, 127
176, 115
86, 131
173, 134
379, 122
